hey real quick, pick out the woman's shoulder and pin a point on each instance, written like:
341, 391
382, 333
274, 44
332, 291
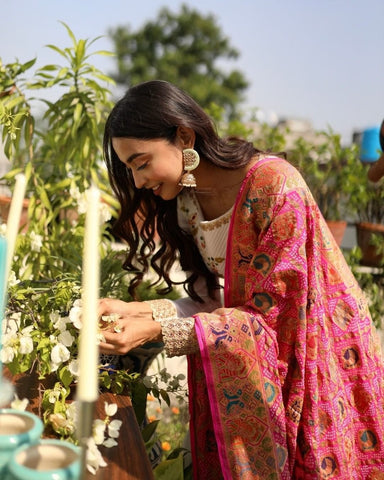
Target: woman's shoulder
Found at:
274, 173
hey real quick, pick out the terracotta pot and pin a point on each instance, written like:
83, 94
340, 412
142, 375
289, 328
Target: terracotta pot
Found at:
337, 228
5, 204
364, 233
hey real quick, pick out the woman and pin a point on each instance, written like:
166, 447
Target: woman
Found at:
285, 379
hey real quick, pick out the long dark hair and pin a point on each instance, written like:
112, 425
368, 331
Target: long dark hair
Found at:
147, 111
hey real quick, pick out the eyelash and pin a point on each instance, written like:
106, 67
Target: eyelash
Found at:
142, 166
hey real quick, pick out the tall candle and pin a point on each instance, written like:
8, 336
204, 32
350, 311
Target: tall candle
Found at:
13, 222
87, 388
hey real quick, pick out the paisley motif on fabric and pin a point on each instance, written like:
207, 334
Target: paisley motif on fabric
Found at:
292, 362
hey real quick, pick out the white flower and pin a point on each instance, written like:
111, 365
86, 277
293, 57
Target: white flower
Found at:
7, 354
110, 442
98, 431
53, 396
66, 338
94, 459
12, 279
74, 192
75, 314
36, 242
26, 345
110, 409
72, 412
61, 323
105, 213
12, 324
73, 367
59, 354
58, 420
82, 204
114, 427
18, 404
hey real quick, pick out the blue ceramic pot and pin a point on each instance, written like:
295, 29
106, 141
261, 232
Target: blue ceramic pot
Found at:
17, 428
49, 459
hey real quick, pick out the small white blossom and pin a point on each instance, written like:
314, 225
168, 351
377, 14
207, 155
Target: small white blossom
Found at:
58, 420
98, 431
72, 412
94, 459
75, 314
53, 396
114, 428
12, 323
26, 345
74, 192
59, 354
66, 338
110, 409
61, 323
73, 367
110, 442
36, 242
54, 316
19, 404
105, 213
12, 279
7, 354
82, 204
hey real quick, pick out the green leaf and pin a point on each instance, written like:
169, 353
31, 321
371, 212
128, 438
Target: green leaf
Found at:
65, 376
170, 469
149, 430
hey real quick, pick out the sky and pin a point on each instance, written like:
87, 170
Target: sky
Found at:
321, 61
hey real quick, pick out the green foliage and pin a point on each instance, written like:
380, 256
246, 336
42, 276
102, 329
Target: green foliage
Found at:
183, 48
371, 282
61, 156
327, 167
366, 198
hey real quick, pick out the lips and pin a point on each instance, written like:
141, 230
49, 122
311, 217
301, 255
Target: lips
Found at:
156, 189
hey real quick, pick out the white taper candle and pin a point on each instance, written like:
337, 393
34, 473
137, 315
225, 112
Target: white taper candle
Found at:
87, 388
13, 222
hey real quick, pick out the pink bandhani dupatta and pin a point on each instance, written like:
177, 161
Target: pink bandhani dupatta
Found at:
289, 379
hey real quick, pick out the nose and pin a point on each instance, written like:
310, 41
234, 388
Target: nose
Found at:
138, 179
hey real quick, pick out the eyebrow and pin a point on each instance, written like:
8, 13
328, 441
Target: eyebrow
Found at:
134, 156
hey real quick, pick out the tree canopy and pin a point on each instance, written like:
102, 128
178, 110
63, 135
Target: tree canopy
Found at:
184, 48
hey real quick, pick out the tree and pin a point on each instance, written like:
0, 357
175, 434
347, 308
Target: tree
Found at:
184, 49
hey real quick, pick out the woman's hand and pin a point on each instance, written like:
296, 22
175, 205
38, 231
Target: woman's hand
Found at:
133, 326
110, 306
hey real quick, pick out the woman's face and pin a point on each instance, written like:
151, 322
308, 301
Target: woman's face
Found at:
155, 164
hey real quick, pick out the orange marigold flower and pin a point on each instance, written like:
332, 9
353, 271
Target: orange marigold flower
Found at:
159, 410
150, 398
175, 410
151, 418
166, 446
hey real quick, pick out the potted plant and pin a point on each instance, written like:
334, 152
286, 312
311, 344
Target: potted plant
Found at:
367, 199
60, 155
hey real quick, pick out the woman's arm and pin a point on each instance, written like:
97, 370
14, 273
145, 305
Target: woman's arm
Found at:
142, 322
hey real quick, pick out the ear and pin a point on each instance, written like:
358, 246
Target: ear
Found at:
186, 136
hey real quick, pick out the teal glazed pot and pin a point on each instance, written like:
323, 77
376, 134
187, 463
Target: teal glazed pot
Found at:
50, 459
17, 428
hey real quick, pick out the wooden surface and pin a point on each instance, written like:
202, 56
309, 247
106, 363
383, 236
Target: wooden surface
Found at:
126, 461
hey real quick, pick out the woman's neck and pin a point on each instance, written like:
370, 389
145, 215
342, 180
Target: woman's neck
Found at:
217, 188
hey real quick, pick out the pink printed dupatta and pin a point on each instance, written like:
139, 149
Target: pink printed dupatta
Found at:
289, 379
